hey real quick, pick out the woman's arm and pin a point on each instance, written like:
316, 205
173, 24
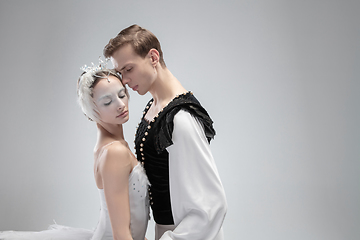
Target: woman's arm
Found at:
115, 168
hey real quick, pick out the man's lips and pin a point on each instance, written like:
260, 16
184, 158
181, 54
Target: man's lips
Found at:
134, 88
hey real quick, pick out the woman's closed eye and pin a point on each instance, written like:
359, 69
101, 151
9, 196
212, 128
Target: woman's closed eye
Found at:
122, 93
107, 103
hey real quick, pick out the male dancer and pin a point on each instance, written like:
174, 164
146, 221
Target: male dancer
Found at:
172, 142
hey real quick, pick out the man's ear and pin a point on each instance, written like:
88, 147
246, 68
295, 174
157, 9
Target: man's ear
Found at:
154, 56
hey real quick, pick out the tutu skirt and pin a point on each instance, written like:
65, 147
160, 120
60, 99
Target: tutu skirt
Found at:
55, 232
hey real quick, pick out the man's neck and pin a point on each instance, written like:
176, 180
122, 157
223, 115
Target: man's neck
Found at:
163, 90
165, 87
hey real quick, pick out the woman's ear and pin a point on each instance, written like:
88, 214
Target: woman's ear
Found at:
154, 56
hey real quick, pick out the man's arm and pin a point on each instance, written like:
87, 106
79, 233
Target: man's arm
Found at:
197, 196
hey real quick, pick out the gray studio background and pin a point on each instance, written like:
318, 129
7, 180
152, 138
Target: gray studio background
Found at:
279, 78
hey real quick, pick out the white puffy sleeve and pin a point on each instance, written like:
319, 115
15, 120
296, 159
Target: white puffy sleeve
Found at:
197, 196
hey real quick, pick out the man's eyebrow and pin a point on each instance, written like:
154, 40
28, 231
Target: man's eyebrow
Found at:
122, 69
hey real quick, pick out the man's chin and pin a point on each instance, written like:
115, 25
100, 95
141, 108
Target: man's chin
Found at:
141, 93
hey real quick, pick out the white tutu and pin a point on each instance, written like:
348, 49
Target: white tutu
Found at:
55, 232
139, 212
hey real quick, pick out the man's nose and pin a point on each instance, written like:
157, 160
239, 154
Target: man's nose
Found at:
125, 80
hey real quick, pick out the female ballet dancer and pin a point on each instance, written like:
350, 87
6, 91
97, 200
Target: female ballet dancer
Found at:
121, 180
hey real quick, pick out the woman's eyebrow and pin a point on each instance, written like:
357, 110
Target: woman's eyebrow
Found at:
105, 96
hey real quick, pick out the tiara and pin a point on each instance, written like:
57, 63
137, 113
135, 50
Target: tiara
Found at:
91, 70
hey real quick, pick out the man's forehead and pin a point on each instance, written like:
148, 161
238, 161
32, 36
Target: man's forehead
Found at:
114, 62
123, 56
117, 59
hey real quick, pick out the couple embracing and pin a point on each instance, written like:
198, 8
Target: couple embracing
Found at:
173, 171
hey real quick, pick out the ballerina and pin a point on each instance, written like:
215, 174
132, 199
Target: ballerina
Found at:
121, 180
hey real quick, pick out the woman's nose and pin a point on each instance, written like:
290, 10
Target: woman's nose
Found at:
121, 104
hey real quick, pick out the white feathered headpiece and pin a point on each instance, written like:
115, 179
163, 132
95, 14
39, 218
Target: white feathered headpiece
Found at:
85, 88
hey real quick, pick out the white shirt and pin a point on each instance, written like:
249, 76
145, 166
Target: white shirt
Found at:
197, 196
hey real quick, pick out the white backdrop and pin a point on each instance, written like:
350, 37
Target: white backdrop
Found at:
279, 78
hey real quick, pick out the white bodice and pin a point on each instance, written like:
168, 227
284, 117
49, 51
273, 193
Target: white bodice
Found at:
139, 208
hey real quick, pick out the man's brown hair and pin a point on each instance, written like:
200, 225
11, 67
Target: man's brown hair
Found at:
141, 40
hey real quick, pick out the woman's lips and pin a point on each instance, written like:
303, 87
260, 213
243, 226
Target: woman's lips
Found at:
123, 114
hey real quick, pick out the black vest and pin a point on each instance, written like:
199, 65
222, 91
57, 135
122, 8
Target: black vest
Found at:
151, 141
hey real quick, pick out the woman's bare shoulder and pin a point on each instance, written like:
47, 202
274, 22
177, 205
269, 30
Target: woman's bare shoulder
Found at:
114, 156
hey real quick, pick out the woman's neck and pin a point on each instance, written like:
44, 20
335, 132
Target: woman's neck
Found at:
110, 131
